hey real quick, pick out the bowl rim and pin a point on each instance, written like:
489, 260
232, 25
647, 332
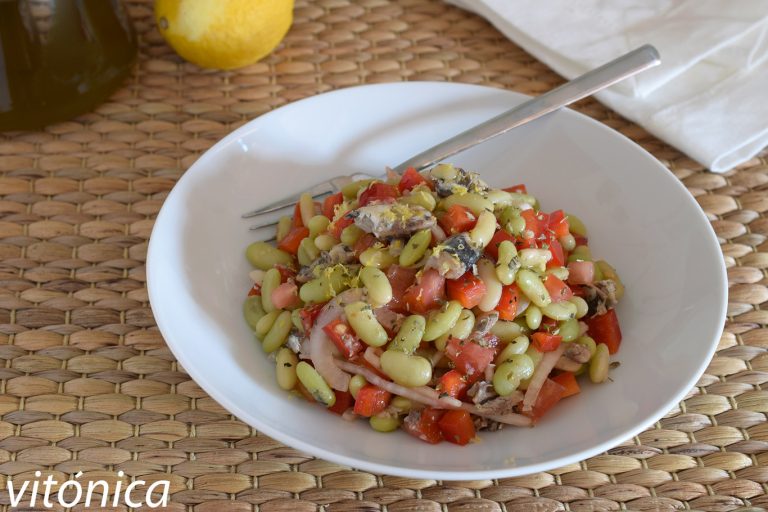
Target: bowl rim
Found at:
198, 374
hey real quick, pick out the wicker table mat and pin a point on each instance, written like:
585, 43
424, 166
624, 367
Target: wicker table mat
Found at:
89, 385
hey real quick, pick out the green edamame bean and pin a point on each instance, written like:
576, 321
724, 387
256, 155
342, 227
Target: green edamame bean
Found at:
406, 370
378, 286
253, 311
356, 383
598, 365
310, 249
415, 248
409, 336
306, 208
350, 235
461, 330
533, 317
317, 225
484, 229
296, 320
350, 190
506, 331
508, 263
268, 284
534, 258
401, 404
315, 384
517, 346
582, 308
442, 320
588, 342
285, 368
384, 422
264, 257
508, 374
331, 282
325, 242
560, 311
536, 357
568, 242
575, 225
598, 273
532, 287
559, 272
475, 202
580, 253
420, 196
265, 324
444, 172
361, 318
515, 226
569, 329
278, 333
283, 227
377, 257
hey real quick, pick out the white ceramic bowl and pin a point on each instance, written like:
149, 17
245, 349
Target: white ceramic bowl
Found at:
639, 216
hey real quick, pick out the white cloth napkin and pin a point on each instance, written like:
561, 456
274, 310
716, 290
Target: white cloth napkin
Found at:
708, 98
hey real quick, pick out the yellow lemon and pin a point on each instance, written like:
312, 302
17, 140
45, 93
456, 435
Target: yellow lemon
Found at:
223, 34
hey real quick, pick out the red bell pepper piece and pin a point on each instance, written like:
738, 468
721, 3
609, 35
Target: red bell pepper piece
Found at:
605, 329
410, 179
330, 203
510, 299
453, 383
468, 290
290, 243
378, 192
569, 383
545, 342
342, 335
457, 219
457, 426
520, 189
371, 400
424, 425
343, 402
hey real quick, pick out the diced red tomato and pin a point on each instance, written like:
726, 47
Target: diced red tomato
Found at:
290, 243
255, 290
286, 296
400, 278
457, 426
343, 402
371, 400
510, 299
286, 273
469, 358
520, 189
453, 383
557, 289
568, 381
525, 243
410, 179
363, 243
535, 222
378, 191
545, 342
581, 272
339, 224
558, 256
581, 240
492, 249
330, 203
605, 329
468, 290
424, 425
345, 339
457, 219
427, 293
309, 314
551, 393
297, 221
558, 223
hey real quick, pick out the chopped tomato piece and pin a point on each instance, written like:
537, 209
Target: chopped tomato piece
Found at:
309, 314
520, 189
558, 256
558, 223
427, 293
342, 335
400, 278
568, 381
545, 342
286, 273
469, 358
536, 222
286, 296
343, 402
558, 290
424, 425
339, 224
371, 400
457, 219
525, 243
410, 179
492, 249
457, 426
507, 306
551, 393
453, 383
581, 272
605, 329
255, 290
290, 243
378, 192
468, 290
363, 243
330, 203
581, 240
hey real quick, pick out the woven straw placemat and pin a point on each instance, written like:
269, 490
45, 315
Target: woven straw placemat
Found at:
89, 385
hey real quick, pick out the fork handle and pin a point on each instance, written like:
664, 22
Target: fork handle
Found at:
580, 87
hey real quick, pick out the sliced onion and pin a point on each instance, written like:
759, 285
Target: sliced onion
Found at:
522, 305
540, 375
438, 233
372, 355
392, 174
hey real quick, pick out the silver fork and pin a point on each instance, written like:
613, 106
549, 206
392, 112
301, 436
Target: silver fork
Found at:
580, 87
